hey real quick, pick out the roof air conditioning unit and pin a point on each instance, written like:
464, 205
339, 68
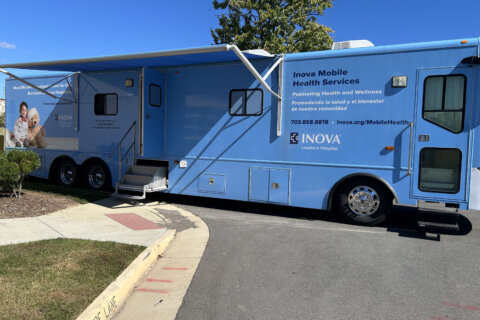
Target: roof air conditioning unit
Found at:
351, 44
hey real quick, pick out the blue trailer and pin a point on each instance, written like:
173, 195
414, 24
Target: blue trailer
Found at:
350, 130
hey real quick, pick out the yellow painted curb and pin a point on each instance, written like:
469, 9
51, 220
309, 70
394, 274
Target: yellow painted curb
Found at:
114, 296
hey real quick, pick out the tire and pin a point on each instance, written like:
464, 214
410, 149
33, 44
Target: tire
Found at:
97, 176
363, 202
66, 173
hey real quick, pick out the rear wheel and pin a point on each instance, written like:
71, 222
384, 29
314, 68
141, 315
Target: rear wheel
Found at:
66, 172
97, 176
363, 201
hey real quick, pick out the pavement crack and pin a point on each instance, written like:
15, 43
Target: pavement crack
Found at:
51, 228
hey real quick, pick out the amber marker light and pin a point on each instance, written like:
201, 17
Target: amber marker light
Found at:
464, 41
389, 148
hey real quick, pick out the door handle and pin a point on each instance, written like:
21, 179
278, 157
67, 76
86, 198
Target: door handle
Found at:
147, 116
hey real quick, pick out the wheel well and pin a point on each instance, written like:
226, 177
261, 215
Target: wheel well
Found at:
92, 160
55, 163
352, 177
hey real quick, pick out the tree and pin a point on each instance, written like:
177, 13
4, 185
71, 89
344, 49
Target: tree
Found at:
278, 26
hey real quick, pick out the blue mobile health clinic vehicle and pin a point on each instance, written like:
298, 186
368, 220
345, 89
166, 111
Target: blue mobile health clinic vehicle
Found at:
350, 130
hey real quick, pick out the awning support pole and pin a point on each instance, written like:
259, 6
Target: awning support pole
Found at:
279, 60
252, 69
34, 86
280, 101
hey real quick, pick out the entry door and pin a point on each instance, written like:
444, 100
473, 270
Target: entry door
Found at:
440, 138
153, 106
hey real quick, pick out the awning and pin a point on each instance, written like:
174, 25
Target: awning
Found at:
159, 59
202, 55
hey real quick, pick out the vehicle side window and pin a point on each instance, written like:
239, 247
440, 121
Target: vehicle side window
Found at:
155, 95
440, 170
444, 101
246, 102
106, 104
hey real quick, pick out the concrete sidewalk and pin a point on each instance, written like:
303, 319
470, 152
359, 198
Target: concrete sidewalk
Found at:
161, 292
105, 220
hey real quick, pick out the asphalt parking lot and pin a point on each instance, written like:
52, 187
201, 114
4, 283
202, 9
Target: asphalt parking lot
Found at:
269, 262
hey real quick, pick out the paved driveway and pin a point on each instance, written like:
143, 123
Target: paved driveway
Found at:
268, 262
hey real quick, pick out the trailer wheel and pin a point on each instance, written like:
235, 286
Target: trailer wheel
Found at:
97, 176
363, 201
66, 172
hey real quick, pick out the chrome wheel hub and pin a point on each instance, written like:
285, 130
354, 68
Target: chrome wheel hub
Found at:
96, 176
67, 174
363, 200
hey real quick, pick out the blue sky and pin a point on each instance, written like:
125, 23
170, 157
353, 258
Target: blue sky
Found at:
52, 29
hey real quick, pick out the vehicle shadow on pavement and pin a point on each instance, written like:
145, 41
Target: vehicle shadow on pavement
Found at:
402, 220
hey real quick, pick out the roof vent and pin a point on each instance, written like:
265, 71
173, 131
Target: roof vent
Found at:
351, 44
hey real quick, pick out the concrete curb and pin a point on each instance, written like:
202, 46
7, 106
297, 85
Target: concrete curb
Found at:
114, 296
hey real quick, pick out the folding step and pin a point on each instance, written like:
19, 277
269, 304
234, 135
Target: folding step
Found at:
437, 217
143, 170
134, 179
132, 187
139, 180
130, 194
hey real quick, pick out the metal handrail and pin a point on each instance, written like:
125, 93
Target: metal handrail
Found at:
118, 147
129, 148
409, 171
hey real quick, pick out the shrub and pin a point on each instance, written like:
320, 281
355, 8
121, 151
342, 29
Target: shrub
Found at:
25, 162
9, 175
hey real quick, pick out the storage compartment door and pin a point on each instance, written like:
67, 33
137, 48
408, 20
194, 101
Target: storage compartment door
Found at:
279, 185
259, 181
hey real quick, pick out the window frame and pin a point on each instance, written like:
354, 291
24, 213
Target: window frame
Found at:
246, 108
459, 170
445, 76
95, 103
150, 95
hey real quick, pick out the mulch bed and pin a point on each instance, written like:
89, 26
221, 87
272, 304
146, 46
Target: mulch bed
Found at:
33, 204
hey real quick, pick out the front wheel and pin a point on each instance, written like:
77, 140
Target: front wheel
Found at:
363, 201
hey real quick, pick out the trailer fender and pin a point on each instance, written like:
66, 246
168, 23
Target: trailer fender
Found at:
333, 190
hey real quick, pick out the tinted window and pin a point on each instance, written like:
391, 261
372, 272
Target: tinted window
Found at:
155, 95
444, 101
106, 104
246, 102
440, 170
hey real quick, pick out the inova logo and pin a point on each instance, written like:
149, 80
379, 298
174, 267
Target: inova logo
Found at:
63, 117
320, 138
293, 137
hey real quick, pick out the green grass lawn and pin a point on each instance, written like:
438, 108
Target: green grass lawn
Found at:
58, 279
78, 194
